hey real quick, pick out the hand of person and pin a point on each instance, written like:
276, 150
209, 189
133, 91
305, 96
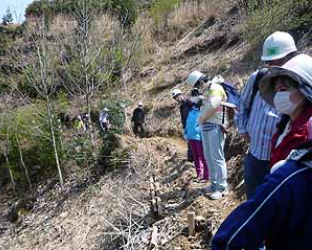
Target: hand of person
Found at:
200, 120
246, 137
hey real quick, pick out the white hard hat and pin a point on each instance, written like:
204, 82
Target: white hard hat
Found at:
105, 109
298, 68
194, 77
278, 45
176, 92
140, 104
218, 79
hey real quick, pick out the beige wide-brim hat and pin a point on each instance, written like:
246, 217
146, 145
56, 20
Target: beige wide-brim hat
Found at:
266, 85
298, 69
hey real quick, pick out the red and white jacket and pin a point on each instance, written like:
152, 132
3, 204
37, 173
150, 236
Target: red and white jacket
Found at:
300, 132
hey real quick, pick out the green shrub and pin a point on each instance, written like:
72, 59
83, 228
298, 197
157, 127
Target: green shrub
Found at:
29, 125
266, 16
161, 10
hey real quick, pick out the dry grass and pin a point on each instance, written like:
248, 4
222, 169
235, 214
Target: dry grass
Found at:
191, 13
63, 26
105, 29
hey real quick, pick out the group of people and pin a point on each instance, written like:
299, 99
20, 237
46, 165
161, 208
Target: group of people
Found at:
202, 117
81, 122
275, 118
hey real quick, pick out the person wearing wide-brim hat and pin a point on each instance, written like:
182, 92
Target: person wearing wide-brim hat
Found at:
289, 90
280, 212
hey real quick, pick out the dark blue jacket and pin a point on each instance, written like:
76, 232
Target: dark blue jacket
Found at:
280, 214
185, 108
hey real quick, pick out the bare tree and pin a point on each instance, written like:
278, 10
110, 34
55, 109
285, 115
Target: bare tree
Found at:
5, 145
42, 80
93, 59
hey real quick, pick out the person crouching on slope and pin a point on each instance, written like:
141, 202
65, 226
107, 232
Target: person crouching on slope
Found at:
193, 136
280, 212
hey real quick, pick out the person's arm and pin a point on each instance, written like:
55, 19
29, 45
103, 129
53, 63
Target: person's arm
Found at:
254, 221
245, 104
214, 99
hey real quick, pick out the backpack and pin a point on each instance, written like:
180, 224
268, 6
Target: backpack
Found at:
231, 93
232, 102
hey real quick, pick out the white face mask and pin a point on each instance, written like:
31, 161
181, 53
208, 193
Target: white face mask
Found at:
283, 104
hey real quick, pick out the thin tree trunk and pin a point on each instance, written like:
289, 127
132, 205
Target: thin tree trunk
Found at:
10, 171
22, 162
50, 117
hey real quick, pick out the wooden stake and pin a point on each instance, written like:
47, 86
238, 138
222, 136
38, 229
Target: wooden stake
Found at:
159, 207
154, 237
191, 221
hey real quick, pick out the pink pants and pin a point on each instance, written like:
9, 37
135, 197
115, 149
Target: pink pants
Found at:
199, 159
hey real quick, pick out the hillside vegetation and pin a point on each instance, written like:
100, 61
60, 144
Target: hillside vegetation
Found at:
66, 188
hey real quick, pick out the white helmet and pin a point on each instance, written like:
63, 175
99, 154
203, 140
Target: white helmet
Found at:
176, 92
194, 77
298, 68
140, 104
278, 45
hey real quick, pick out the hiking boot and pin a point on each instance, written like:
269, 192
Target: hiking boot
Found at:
200, 180
209, 189
218, 194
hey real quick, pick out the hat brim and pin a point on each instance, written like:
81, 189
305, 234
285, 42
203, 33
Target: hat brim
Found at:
266, 86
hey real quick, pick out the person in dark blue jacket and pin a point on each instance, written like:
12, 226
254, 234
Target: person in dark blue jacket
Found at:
185, 107
280, 213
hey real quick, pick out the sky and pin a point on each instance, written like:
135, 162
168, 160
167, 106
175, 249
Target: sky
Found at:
17, 8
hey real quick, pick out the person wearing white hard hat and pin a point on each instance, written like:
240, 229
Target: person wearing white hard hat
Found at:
256, 119
104, 120
211, 121
138, 117
280, 212
185, 107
